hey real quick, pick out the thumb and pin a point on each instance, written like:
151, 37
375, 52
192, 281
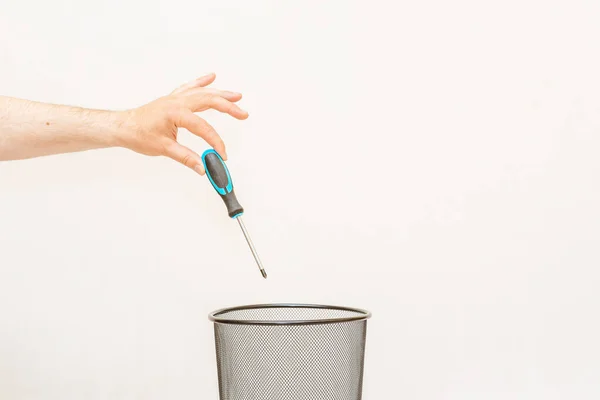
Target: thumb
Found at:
185, 156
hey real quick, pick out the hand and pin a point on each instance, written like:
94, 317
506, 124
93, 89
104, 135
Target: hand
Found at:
152, 128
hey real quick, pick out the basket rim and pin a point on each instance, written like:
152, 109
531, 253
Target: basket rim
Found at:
215, 315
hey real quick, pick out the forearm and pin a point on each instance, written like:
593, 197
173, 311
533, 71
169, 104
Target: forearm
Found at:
30, 129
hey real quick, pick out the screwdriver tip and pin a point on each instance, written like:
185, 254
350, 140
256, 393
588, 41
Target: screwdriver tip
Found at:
264, 274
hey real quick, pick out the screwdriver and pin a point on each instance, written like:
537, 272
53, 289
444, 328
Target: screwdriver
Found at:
220, 179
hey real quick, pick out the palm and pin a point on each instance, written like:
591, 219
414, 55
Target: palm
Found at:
156, 123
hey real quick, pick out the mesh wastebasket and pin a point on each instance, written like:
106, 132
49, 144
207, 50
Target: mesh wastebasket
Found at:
290, 352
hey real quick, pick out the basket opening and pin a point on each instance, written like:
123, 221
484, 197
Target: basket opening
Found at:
288, 313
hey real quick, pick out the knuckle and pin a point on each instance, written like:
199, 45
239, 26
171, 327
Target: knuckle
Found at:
173, 113
169, 149
227, 107
210, 132
186, 160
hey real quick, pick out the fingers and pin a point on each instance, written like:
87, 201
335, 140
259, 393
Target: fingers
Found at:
200, 127
199, 98
231, 96
226, 106
196, 83
206, 80
204, 101
226, 94
185, 156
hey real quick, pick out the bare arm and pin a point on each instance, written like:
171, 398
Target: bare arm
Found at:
30, 129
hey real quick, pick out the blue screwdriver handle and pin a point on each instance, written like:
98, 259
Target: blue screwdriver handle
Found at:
220, 179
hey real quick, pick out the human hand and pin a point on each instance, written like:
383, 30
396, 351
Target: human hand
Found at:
152, 128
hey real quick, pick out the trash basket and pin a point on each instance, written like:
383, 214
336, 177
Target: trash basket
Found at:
290, 352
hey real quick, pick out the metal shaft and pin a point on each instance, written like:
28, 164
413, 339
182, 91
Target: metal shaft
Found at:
252, 248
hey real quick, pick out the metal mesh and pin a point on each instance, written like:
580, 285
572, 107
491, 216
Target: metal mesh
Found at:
290, 353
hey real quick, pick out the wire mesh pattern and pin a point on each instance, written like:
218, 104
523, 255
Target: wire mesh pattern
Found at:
286, 361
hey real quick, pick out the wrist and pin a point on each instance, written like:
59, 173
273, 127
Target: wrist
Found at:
122, 127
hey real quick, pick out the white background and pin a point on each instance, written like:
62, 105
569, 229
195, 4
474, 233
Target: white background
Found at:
436, 162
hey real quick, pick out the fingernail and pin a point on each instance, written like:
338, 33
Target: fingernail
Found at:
232, 94
199, 169
205, 76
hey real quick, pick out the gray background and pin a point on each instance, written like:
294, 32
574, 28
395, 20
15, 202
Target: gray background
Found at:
435, 162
